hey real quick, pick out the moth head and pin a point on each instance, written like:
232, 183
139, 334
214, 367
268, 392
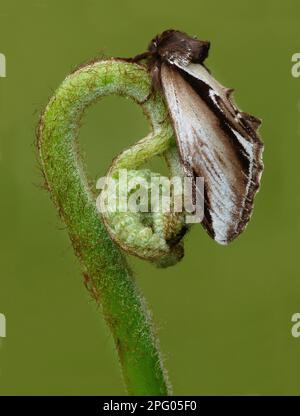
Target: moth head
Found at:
173, 46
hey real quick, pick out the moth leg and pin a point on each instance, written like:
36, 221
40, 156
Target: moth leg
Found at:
139, 57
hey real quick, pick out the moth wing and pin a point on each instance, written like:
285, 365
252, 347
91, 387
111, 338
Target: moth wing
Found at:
216, 142
221, 98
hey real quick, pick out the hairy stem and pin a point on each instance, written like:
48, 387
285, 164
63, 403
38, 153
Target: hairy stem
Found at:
106, 272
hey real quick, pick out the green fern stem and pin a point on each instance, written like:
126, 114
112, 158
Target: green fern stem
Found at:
106, 273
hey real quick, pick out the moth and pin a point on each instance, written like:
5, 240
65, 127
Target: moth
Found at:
215, 139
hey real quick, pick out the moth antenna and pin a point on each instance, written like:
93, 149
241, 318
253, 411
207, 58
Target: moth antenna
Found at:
207, 69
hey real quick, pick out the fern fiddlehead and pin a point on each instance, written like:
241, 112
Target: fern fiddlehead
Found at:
98, 240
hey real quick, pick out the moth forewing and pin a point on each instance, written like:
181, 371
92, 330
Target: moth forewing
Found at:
200, 72
221, 97
217, 142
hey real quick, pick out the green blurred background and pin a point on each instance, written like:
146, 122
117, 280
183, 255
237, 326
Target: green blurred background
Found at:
224, 313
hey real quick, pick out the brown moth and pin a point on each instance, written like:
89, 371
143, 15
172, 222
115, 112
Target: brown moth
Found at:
215, 139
